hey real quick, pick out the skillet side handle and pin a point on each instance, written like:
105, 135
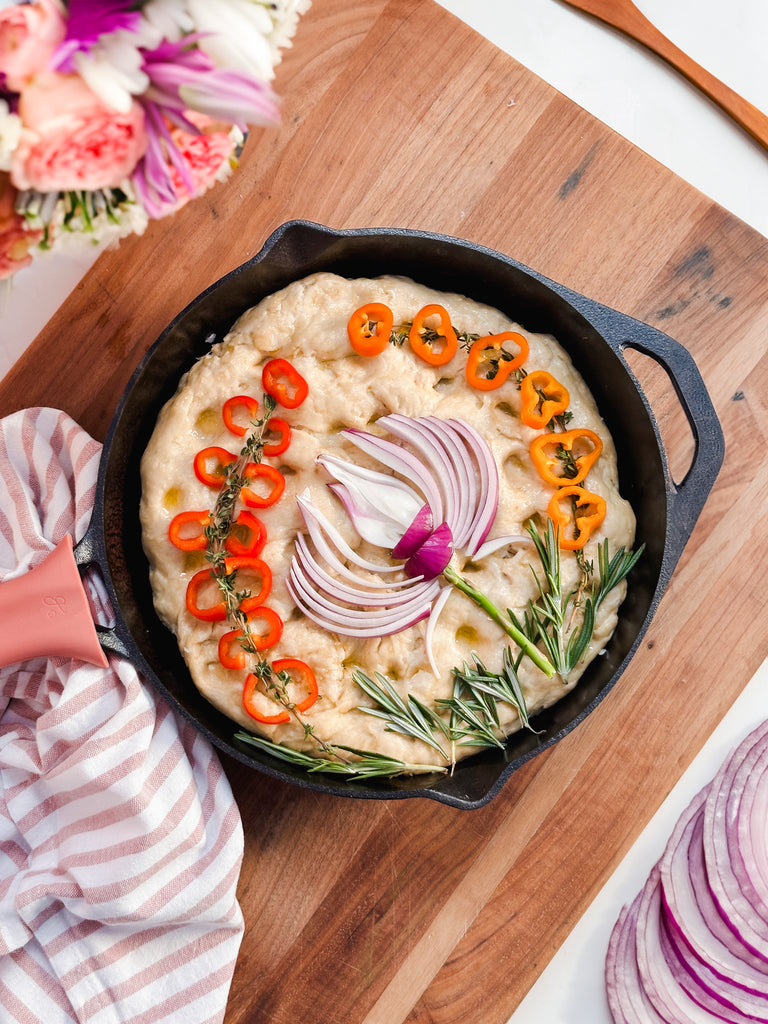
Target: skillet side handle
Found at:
686, 498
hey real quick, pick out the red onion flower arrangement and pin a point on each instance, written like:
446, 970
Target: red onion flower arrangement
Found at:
444, 499
113, 112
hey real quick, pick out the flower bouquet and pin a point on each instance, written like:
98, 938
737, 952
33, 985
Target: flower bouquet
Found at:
114, 112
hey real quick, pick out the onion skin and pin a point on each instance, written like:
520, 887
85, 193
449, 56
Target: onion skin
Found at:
415, 535
431, 557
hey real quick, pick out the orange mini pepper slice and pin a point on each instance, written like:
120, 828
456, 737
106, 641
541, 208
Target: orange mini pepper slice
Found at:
250, 691
369, 328
302, 675
254, 531
543, 398
577, 513
230, 409
279, 437
210, 465
260, 471
565, 457
489, 364
283, 381
187, 530
424, 346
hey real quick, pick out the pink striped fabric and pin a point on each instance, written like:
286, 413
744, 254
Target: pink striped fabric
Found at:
120, 841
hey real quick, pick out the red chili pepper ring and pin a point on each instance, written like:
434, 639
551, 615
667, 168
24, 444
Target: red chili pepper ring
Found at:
284, 382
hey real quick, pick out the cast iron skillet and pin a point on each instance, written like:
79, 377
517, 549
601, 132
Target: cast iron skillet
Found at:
595, 338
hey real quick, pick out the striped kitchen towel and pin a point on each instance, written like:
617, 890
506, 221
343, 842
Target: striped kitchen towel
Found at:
120, 841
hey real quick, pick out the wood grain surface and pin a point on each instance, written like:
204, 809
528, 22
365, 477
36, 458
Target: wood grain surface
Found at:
395, 113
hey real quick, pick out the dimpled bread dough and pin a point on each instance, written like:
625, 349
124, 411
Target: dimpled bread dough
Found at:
306, 323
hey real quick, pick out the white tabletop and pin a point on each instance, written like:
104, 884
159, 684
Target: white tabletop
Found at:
653, 107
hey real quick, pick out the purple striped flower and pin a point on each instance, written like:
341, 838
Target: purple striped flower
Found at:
88, 21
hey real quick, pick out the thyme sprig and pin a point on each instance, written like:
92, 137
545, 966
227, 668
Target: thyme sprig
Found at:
549, 619
400, 332
275, 684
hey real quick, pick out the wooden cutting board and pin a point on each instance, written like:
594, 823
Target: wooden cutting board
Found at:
395, 113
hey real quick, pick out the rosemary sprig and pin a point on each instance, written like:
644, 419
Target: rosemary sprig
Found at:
502, 686
409, 717
549, 619
477, 693
474, 716
367, 766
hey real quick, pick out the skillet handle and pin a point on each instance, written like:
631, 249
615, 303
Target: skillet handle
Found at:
686, 497
45, 612
89, 552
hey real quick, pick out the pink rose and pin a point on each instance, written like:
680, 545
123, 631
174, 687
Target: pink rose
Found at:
71, 140
15, 239
29, 33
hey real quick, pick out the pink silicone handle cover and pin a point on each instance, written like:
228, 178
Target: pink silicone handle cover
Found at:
45, 612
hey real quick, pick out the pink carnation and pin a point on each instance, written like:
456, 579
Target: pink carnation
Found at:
204, 155
71, 140
15, 239
29, 34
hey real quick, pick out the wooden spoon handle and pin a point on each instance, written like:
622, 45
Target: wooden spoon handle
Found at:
628, 19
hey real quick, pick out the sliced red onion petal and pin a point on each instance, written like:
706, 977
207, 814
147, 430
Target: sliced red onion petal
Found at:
489, 485
316, 523
746, 810
336, 621
745, 919
365, 632
511, 539
431, 557
719, 996
416, 534
432, 455
379, 505
751, 826
429, 635
377, 529
461, 480
659, 983
343, 590
402, 604
710, 993
401, 461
